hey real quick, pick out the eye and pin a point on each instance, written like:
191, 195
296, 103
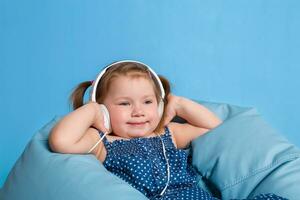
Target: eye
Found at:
124, 104
148, 101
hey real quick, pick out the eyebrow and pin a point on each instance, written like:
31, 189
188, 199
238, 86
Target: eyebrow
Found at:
143, 97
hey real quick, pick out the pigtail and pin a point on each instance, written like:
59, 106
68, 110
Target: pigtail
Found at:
167, 89
77, 96
166, 86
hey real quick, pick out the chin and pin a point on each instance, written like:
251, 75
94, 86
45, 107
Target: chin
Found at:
138, 133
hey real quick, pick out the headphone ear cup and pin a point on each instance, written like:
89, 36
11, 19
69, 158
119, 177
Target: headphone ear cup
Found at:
160, 109
106, 117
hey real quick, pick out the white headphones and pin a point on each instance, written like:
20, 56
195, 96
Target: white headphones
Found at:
104, 109
106, 113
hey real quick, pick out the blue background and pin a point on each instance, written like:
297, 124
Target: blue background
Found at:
239, 52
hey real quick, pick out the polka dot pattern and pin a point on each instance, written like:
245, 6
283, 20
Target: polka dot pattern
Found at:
141, 163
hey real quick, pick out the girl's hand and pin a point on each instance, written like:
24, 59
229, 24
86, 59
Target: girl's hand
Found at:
172, 108
98, 118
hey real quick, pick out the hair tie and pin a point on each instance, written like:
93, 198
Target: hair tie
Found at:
92, 81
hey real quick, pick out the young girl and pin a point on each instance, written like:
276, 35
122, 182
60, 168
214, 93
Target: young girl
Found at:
140, 144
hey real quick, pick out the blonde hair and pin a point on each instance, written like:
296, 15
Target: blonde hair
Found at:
129, 69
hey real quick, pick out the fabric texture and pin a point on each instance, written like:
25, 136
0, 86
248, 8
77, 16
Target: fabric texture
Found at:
141, 163
245, 156
42, 174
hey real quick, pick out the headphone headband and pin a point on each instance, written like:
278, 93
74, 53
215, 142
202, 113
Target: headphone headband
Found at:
96, 81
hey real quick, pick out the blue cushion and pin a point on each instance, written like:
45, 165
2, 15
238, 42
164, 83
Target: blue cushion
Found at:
41, 174
245, 156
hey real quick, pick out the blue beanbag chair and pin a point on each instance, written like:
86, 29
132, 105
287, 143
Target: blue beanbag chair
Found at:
241, 158
42, 174
245, 156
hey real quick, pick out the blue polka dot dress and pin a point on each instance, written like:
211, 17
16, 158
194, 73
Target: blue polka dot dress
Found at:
141, 163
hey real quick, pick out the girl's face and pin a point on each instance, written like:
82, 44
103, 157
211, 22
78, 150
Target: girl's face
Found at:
132, 106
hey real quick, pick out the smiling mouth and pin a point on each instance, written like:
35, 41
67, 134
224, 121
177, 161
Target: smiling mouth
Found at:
136, 123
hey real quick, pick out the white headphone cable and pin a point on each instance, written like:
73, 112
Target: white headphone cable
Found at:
97, 142
168, 167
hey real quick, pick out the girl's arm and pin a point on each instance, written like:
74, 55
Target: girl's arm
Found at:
73, 133
199, 118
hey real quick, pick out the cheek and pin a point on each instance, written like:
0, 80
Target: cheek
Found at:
117, 116
117, 119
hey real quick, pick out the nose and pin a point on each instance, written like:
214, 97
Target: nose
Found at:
137, 111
